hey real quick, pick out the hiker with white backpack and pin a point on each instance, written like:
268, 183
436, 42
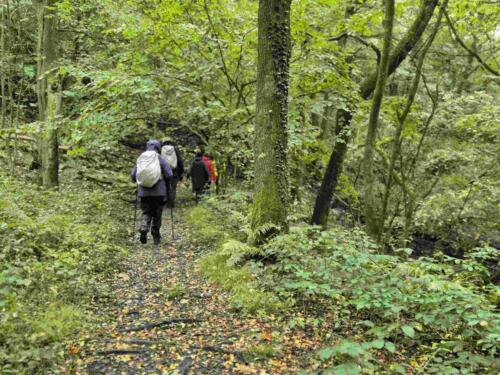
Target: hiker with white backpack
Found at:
152, 174
174, 160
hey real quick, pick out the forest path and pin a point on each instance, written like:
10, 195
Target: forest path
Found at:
166, 318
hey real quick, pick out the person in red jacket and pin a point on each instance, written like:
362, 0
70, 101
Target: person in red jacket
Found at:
211, 168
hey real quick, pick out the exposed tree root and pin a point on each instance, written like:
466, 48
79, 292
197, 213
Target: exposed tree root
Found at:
159, 324
121, 351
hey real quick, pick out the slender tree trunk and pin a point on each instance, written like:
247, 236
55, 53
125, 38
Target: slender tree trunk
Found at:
327, 121
333, 170
49, 94
271, 195
49, 137
370, 203
400, 52
396, 146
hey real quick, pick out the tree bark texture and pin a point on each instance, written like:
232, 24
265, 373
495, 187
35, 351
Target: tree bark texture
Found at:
49, 95
398, 55
370, 202
271, 194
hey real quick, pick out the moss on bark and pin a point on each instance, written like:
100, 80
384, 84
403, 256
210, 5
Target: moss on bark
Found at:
271, 195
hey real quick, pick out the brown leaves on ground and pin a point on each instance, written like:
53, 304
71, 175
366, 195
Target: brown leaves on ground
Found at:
202, 334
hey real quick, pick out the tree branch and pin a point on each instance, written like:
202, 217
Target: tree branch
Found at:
464, 46
403, 48
359, 39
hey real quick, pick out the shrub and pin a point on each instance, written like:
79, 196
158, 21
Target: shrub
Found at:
401, 303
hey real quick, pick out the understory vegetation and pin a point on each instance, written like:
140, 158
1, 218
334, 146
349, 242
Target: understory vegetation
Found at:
388, 313
59, 250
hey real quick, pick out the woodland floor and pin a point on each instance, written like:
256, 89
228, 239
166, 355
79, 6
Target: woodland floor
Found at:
166, 319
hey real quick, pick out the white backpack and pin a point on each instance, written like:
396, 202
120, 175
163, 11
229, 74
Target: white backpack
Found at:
148, 169
168, 152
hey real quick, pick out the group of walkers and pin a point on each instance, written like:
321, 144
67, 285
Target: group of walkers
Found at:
157, 172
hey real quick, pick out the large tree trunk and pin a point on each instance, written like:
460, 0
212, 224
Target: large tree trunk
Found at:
400, 52
49, 93
370, 202
271, 195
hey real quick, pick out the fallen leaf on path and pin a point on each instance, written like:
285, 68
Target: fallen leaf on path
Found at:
244, 369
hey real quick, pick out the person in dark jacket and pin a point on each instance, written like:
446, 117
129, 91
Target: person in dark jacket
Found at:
199, 175
152, 199
174, 158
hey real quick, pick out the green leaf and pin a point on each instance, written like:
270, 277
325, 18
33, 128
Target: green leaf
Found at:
378, 344
29, 70
408, 331
390, 346
352, 349
398, 369
326, 353
347, 369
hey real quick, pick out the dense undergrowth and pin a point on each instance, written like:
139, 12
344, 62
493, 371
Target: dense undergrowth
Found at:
385, 313
57, 252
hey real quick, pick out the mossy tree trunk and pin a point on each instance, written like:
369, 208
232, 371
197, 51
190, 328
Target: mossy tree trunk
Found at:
49, 94
335, 165
271, 195
371, 213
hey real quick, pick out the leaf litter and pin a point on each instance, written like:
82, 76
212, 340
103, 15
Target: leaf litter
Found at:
165, 318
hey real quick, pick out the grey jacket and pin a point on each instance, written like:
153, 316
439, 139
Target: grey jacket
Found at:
160, 188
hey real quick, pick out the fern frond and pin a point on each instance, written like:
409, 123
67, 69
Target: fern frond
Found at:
236, 251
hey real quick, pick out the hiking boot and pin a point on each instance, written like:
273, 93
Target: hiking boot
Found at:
144, 237
156, 240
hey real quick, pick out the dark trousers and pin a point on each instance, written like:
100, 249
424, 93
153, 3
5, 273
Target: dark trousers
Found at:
198, 193
152, 208
172, 191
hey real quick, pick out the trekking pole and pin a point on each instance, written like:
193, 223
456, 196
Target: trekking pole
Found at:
172, 219
135, 213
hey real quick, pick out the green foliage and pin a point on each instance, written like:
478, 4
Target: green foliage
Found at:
202, 222
246, 295
57, 252
439, 312
214, 222
262, 351
419, 301
350, 356
175, 292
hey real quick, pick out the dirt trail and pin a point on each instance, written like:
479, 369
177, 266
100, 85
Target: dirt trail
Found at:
167, 319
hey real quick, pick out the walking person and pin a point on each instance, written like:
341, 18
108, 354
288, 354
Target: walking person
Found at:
174, 160
212, 170
200, 176
152, 173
